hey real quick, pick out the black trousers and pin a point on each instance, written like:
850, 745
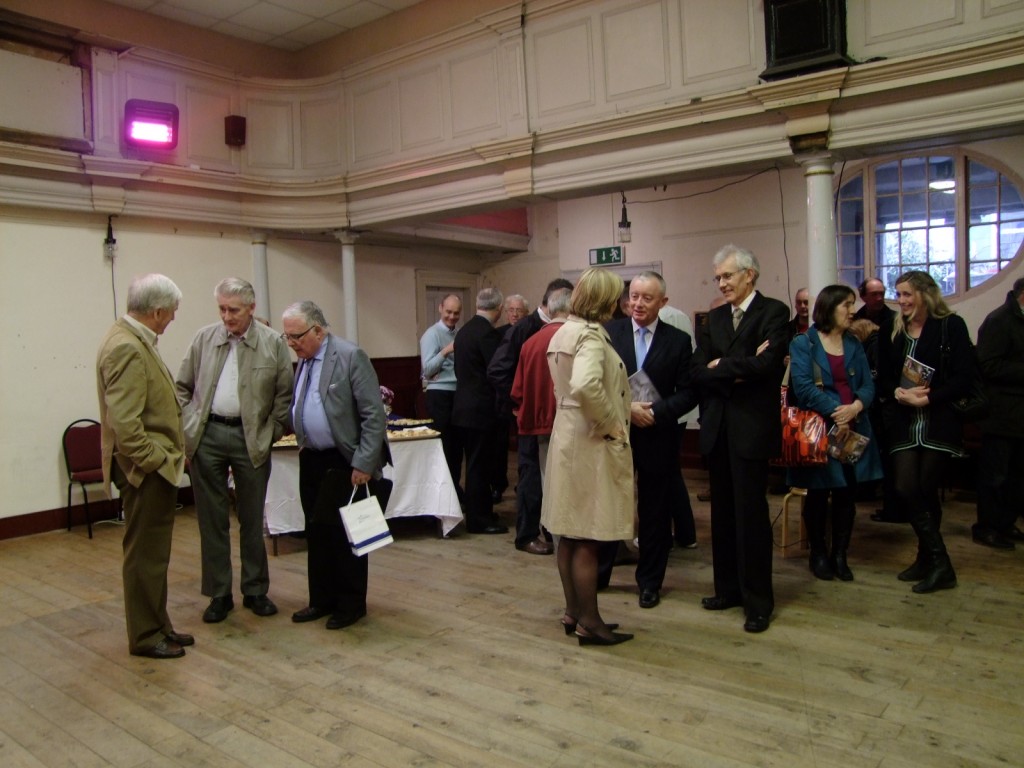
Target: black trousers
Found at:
529, 491
741, 529
337, 578
480, 456
439, 404
1000, 482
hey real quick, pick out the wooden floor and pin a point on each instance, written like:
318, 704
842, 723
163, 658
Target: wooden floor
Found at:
462, 662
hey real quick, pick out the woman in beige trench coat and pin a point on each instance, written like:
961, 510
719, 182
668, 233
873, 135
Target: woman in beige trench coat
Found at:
588, 487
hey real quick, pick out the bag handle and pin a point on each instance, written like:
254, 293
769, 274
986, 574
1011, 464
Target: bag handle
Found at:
815, 371
356, 488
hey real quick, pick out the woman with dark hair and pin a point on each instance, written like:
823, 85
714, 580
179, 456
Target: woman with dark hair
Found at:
922, 428
588, 485
828, 353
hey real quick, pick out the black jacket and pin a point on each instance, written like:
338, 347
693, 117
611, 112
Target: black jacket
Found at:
1001, 357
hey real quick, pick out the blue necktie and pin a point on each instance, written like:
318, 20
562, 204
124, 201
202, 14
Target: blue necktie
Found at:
641, 347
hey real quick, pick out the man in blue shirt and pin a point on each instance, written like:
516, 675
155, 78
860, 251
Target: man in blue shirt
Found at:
437, 357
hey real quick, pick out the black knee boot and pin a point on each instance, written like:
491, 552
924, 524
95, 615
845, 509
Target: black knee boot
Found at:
921, 565
939, 573
842, 529
814, 519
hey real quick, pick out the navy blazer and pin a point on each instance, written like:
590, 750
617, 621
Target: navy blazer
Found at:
668, 365
741, 394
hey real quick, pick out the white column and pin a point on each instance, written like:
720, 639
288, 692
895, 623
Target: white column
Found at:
822, 267
260, 278
348, 284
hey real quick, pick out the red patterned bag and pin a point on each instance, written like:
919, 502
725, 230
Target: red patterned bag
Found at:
804, 434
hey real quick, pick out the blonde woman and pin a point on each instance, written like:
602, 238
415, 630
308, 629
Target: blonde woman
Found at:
588, 485
922, 428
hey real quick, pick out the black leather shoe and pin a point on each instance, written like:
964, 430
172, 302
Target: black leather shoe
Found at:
165, 649
180, 638
649, 598
881, 516
309, 613
261, 605
716, 603
989, 538
756, 623
588, 638
345, 619
493, 528
218, 609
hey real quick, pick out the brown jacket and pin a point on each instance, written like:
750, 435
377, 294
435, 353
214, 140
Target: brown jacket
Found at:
139, 413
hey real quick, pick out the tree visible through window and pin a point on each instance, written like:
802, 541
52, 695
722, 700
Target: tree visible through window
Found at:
951, 215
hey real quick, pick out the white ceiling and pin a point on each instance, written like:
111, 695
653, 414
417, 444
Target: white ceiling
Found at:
288, 24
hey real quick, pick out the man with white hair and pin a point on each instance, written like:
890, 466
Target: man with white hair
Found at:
143, 455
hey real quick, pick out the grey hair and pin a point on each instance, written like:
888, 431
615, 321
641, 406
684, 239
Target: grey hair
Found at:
744, 259
559, 301
489, 299
520, 297
230, 287
306, 311
151, 292
648, 274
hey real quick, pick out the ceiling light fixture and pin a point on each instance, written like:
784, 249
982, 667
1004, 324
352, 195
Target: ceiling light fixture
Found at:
625, 233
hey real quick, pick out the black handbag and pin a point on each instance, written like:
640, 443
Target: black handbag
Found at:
973, 406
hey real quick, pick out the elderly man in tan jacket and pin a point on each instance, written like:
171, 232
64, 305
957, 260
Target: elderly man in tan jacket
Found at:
235, 390
142, 454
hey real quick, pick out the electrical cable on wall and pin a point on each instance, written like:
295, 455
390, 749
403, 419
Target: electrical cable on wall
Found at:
785, 248
109, 253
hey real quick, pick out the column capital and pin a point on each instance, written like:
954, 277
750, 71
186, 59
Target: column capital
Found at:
346, 236
815, 162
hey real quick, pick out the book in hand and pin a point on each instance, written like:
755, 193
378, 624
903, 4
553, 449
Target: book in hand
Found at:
642, 388
845, 445
915, 374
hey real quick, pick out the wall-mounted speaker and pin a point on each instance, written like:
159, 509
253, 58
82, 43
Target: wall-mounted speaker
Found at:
803, 36
234, 131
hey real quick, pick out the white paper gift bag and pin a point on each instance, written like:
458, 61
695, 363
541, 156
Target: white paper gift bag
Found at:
364, 523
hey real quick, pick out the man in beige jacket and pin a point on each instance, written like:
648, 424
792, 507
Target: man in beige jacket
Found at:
142, 454
235, 390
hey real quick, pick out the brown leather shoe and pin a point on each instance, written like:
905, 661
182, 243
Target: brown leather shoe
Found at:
180, 638
165, 649
309, 613
537, 547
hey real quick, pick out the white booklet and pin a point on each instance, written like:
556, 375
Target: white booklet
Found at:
642, 388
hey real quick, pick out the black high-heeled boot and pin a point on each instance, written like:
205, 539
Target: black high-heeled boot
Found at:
814, 520
842, 530
940, 573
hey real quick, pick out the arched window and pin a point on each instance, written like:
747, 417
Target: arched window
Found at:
950, 214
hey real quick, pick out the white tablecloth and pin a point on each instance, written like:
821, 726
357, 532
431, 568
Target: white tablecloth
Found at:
423, 486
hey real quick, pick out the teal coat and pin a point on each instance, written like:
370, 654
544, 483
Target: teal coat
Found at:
802, 350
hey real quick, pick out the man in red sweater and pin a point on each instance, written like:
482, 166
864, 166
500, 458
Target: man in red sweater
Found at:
533, 396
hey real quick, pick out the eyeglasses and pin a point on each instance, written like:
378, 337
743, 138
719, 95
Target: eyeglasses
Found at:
296, 336
725, 277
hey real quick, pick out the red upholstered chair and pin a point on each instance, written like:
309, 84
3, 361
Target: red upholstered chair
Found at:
83, 460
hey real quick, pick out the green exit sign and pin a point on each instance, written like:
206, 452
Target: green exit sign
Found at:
601, 257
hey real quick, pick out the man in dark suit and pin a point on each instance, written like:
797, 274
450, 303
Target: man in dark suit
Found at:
475, 409
143, 454
738, 369
340, 429
663, 353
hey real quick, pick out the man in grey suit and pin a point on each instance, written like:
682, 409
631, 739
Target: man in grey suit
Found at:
235, 390
340, 428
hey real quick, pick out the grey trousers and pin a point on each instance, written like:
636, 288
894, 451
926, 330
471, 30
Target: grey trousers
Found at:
223, 447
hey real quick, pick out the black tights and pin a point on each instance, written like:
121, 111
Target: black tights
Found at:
918, 474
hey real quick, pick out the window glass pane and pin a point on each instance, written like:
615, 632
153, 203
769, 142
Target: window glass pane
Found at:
913, 248
887, 211
1010, 238
887, 179
915, 211
851, 277
982, 271
851, 216
945, 276
851, 251
942, 207
978, 173
1011, 207
853, 188
915, 174
983, 242
941, 174
983, 204
941, 244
